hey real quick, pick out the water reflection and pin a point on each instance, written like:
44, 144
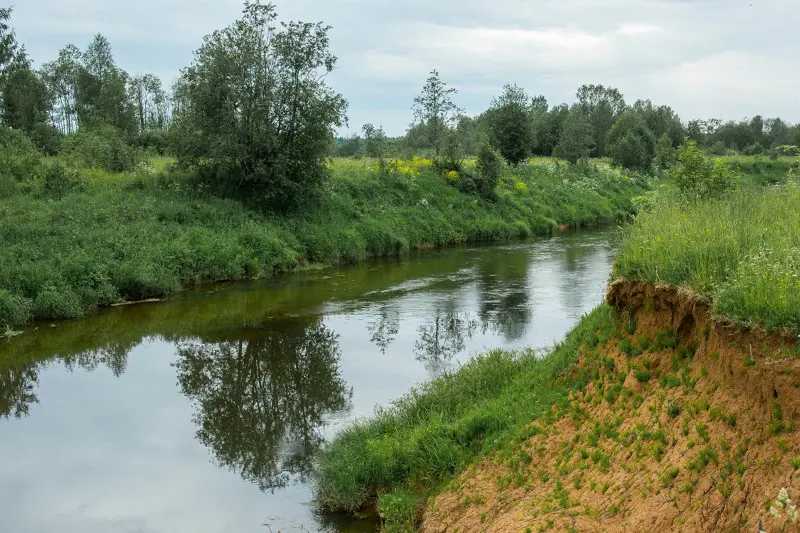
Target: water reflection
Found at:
262, 397
444, 337
95, 436
17, 385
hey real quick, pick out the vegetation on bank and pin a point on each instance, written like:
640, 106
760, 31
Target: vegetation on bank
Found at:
438, 429
742, 251
76, 240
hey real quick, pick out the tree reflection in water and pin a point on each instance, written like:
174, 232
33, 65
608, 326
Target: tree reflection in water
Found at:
262, 399
17, 385
442, 339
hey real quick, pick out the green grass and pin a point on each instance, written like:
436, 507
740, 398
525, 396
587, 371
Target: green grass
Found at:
742, 252
436, 430
146, 234
762, 170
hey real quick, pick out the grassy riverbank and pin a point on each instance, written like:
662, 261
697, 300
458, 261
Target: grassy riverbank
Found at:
437, 430
742, 252
739, 251
112, 237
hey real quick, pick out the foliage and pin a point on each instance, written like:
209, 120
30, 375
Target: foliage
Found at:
26, 105
59, 180
435, 111
601, 107
102, 147
19, 160
397, 510
258, 118
696, 176
375, 142
577, 139
511, 125
433, 432
489, 167
741, 251
631, 143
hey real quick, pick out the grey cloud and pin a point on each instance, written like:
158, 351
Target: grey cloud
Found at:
683, 53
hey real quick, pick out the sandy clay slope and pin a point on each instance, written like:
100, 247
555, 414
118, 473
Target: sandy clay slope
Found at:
687, 423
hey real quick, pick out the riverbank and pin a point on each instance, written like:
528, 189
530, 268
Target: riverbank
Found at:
132, 236
671, 407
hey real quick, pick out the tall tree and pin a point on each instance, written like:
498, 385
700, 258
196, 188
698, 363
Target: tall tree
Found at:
576, 140
435, 110
62, 77
548, 129
631, 144
149, 101
12, 55
26, 106
511, 124
602, 106
259, 118
102, 89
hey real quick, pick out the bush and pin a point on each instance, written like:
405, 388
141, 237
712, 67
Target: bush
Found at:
101, 147
753, 149
54, 302
14, 310
397, 511
489, 167
59, 180
698, 176
19, 160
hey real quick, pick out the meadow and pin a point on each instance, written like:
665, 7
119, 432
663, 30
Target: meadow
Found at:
96, 238
741, 251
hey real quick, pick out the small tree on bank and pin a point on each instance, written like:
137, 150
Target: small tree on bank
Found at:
511, 124
257, 118
435, 111
375, 143
576, 141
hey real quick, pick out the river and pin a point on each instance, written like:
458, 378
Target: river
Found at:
201, 414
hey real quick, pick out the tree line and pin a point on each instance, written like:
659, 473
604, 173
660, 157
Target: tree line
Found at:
253, 116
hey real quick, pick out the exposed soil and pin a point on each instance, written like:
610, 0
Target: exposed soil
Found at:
699, 432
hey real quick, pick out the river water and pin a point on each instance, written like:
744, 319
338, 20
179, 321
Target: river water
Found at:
201, 414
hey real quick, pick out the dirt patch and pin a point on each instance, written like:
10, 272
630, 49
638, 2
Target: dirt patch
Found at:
686, 423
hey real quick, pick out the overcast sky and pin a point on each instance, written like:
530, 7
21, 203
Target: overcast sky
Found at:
706, 58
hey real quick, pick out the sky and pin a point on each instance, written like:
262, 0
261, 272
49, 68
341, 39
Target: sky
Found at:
727, 59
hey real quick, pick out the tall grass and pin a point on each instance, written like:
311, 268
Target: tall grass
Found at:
436, 430
742, 251
109, 237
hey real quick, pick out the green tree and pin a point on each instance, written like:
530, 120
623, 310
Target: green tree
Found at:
699, 177
375, 143
511, 124
661, 120
62, 77
102, 89
577, 137
257, 118
435, 110
602, 106
11, 54
548, 129
27, 102
489, 167
149, 101
630, 142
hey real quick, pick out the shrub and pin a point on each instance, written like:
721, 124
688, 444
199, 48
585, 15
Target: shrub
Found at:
397, 511
19, 160
101, 146
489, 167
15, 310
55, 302
59, 180
697, 176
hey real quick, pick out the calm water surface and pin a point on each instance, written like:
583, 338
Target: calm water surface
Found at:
202, 414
